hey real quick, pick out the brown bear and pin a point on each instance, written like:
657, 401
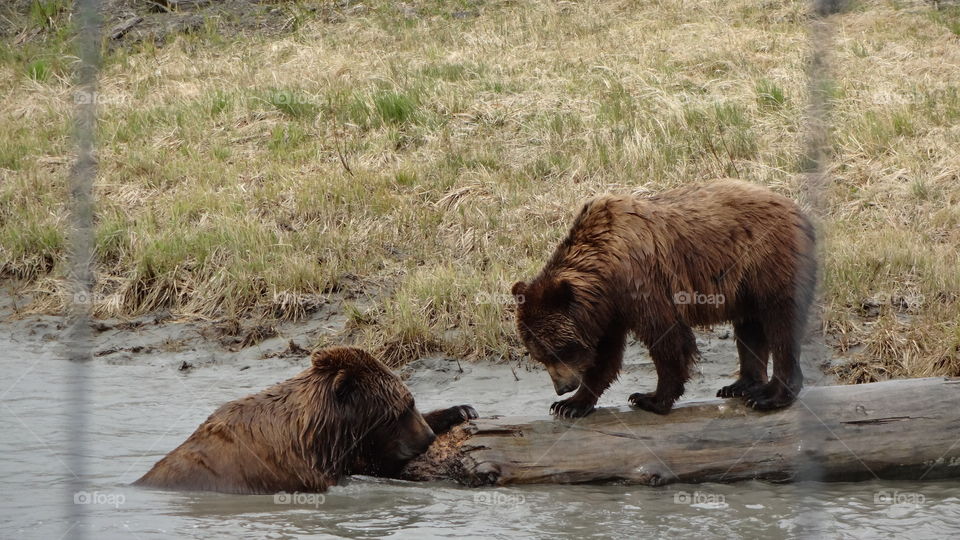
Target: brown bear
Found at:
346, 414
658, 266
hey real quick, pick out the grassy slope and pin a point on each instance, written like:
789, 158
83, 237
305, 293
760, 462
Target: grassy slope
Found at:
470, 143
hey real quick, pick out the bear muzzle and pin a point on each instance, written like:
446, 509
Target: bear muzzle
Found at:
422, 440
564, 387
564, 379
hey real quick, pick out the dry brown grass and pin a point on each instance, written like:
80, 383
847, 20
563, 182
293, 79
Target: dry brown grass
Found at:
437, 159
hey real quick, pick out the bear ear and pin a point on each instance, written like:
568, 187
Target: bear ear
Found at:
518, 291
558, 293
321, 358
343, 384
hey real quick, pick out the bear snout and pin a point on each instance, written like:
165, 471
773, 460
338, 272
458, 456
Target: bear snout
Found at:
564, 379
563, 387
423, 439
423, 442
430, 437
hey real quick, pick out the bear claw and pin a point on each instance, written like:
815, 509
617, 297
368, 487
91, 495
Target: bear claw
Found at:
769, 397
442, 420
570, 409
468, 412
768, 404
740, 388
648, 402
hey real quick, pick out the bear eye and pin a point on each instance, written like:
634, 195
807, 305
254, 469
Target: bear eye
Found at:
568, 351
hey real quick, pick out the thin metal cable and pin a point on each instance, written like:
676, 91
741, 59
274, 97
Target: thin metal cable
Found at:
815, 166
79, 339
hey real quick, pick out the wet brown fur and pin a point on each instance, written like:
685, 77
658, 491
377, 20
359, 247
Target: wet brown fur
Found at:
346, 414
626, 260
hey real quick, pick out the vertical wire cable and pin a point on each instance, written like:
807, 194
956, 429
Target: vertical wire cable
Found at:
814, 168
78, 342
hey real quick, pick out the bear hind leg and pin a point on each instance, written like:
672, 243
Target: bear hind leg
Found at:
784, 387
753, 350
673, 353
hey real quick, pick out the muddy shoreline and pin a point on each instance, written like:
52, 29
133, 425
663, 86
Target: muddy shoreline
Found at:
186, 345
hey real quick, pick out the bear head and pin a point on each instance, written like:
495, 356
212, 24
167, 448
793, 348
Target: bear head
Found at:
550, 329
365, 414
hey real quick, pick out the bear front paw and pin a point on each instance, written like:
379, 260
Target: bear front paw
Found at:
569, 408
467, 412
649, 402
443, 420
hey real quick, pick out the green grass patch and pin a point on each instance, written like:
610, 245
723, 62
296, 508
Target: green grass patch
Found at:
292, 103
395, 108
45, 14
39, 70
948, 17
769, 95
881, 131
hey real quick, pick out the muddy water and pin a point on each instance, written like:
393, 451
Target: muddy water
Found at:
141, 406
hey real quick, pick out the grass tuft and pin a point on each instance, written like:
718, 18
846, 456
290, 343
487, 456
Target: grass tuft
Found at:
770, 95
44, 13
39, 70
394, 108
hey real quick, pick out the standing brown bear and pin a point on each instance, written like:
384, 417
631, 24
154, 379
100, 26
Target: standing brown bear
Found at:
346, 414
657, 266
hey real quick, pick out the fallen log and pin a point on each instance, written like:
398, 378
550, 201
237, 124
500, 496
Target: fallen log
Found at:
906, 429
121, 29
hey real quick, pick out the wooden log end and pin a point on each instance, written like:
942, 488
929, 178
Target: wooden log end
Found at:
449, 458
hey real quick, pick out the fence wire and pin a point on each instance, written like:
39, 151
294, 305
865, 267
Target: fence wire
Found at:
811, 515
79, 339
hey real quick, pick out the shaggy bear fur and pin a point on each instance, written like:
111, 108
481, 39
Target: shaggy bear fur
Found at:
658, 266
346, 414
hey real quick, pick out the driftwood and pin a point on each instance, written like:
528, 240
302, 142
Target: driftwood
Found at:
908, 429
121, 29
175, 5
